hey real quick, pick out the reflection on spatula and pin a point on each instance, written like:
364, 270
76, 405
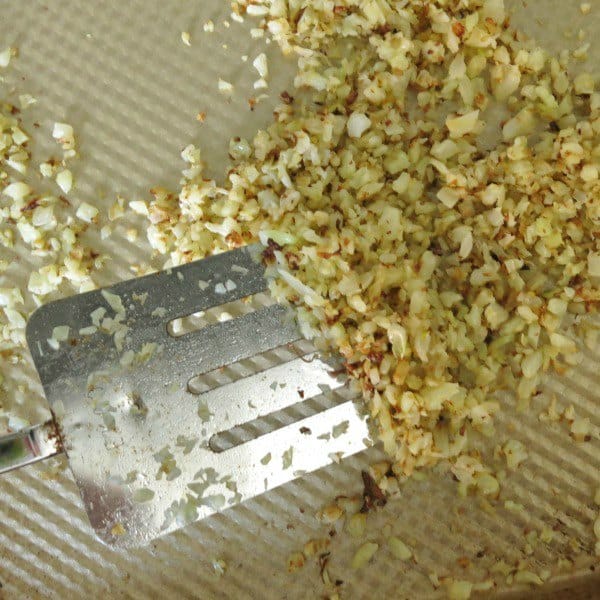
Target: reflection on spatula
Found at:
162, 426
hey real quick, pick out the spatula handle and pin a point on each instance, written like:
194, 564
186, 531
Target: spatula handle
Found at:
28, 446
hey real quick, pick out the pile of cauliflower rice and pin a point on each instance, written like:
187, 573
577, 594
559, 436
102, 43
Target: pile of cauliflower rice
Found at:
430, 197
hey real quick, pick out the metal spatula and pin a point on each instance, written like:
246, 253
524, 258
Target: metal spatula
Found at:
153, 446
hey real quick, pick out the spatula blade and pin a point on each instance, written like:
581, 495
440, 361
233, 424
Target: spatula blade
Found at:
142, 444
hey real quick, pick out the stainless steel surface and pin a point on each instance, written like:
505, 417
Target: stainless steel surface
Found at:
142, 444
120, 74
28, 446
